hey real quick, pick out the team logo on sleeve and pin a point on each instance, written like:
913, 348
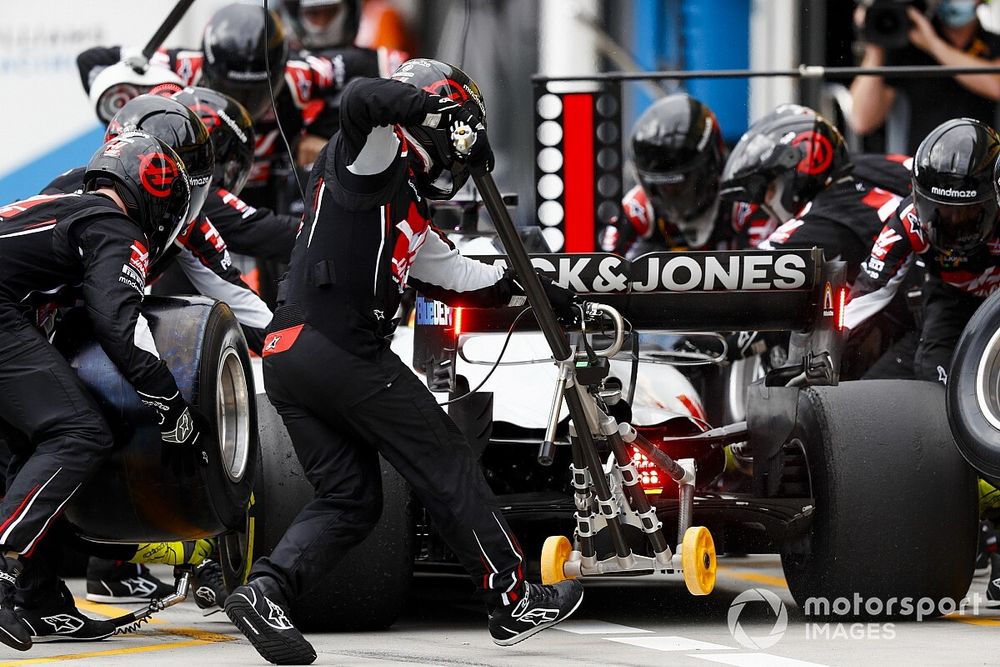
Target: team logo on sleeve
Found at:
157, 172
135, 269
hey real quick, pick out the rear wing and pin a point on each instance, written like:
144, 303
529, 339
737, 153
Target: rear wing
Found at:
747, 290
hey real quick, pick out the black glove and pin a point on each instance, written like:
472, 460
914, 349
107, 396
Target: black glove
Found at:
564, 301
466, 133
176, 420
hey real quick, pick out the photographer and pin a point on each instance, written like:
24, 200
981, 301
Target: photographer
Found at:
947, 34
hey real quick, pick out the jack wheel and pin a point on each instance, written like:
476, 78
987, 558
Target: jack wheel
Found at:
555, 553
698, 560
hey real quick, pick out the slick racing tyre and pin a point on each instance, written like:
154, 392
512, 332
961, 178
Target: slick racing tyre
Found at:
895, 504
974, 391
141, 494
367, 589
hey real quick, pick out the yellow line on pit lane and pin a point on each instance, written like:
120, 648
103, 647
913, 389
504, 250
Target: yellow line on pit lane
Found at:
755, 577
196, 638
973, 620
112, 612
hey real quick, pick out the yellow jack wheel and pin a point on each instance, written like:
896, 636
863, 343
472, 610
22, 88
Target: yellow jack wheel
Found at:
555, 553
697, 559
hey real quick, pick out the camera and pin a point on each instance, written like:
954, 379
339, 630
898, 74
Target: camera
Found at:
886, 22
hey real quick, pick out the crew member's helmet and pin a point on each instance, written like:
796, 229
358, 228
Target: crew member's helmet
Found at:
953, 184
442, 175
151, 181
231, 130
678, 153
180, 128
324, 24
114, 86
245, 54
784, 160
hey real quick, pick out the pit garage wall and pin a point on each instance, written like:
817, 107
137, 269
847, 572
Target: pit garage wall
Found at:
48, 124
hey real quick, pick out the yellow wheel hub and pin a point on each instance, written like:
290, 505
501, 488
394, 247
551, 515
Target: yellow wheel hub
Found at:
697, 559
555, 553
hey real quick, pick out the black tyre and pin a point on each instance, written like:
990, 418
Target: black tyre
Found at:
368, 588
137, 496
896, 512
974, 391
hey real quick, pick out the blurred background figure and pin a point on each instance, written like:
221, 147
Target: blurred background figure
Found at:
945, 33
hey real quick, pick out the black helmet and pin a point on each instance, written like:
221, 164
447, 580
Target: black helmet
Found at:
231, 129
678, 153
444, 176
324, 24
953, 184
244, 47
181, 129
151, 180
794, 149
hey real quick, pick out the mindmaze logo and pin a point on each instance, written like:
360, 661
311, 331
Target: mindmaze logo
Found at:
758, 619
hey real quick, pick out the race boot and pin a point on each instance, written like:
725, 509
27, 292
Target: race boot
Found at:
13, 631
58, 619
987, 547
114, 581
993, 587
539, 608
261, 613
209, 588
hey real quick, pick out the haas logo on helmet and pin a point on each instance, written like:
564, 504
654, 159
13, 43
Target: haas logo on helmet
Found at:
157, 172
819, 152
207, 115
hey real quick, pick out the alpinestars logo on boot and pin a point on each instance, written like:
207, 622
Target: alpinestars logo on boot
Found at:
276, 617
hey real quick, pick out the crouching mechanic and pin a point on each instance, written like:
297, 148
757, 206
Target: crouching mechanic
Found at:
795, 164
201, 255
366, 236
951, 220
95, 246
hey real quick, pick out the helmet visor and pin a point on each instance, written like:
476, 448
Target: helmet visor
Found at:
680, 195
956, 228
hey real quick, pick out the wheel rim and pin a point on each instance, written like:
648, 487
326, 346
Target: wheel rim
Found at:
988, 382
233, 415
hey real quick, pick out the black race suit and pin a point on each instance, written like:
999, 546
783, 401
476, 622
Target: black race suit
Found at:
955, 286
638, 229
844, 220
342, 393
55, 247
202, 255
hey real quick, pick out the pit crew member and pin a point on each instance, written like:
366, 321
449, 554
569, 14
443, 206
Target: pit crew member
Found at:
950, 221
96, 246
678, 154
366, 236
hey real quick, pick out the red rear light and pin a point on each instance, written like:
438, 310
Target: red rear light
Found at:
841, 307
456, 320
651, 478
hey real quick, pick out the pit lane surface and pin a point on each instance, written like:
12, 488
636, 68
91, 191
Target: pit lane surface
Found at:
636, 622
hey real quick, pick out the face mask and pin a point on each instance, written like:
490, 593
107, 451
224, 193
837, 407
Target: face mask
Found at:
957, 13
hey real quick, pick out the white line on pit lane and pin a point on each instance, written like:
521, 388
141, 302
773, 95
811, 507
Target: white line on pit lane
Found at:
674, 643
